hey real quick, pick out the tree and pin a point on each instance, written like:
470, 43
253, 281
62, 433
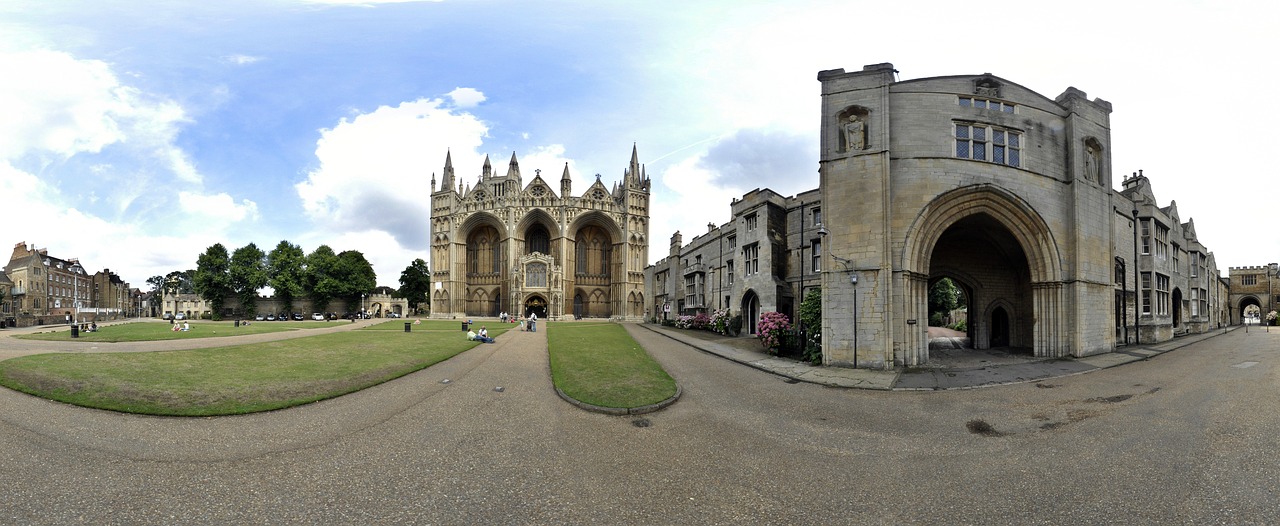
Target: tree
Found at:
356, 276
811, 318
248, 273
415, 284
212, 277
286, 272
319, 282
944, 297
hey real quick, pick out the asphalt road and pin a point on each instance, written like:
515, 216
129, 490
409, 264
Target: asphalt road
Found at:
1189, 437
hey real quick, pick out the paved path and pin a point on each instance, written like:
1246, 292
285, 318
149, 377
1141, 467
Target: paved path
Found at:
1178, 439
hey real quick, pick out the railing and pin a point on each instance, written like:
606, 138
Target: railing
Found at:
17, 291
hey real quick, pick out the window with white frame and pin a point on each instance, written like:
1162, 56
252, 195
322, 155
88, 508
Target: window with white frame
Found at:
1195, 302
752, 221
1177, 259
1146, 293
1162, 241
731, 274
751, 253
988, 143
1162, 294
817, 216
816, 264
1146, 236
1191, 263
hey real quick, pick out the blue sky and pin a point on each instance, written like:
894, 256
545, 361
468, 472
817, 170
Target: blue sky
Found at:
140, 133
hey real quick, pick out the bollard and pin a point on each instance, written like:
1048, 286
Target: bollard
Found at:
407, 326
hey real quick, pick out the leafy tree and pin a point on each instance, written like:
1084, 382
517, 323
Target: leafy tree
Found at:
811, 317
248, 273
415, 284
319, 281
944, 297
285, 271
356, 275
213, 278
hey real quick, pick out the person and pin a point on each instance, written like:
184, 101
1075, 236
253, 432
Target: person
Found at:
175, 328
186, 326
484, 331
471, 335
93, 326
521, 324
533, 322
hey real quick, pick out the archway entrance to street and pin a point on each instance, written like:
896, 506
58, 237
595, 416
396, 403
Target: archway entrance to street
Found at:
949, 308
1249, 311
988, 265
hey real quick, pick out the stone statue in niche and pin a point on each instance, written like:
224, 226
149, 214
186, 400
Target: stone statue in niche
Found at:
1092, 162
986, 87
855, 133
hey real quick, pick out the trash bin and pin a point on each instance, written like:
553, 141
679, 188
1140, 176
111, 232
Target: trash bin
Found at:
75, 331
407, 325
465, 327
237, 323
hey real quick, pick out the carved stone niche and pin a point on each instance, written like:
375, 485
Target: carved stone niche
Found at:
852, 124
986, 86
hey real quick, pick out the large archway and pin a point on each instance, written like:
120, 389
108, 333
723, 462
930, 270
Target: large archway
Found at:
999, 281
1249, 310
1002, 243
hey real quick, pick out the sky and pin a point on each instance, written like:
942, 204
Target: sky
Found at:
134, 135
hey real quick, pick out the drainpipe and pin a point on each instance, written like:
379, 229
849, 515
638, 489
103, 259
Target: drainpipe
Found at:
1137, 284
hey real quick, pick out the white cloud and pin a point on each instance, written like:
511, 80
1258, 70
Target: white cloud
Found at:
466, 97
241, 60
374, 171
217, 208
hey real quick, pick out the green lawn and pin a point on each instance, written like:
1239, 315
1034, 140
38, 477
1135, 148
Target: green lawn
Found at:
230, 380
149, 331
600, 364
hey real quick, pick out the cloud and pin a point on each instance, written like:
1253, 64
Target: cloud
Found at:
757, 158
466, 97
241, 60
373, 171
217, 207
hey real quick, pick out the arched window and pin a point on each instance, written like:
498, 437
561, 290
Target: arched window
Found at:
537, 240
535, 275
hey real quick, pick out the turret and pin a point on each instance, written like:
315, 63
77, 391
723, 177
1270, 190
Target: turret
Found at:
513, 168
487, 171
566, 184
446, 182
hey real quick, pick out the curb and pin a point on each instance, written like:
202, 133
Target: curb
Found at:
622, 411
748, 364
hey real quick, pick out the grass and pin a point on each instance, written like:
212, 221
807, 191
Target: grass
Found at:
151, 331
230, 380
600, 364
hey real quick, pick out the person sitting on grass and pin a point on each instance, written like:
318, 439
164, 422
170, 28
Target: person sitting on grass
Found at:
471, 335
186, 326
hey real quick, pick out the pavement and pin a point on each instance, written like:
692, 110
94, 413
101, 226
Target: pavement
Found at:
948, 368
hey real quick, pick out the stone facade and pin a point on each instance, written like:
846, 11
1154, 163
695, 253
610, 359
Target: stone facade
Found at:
504, 246
1255, 291
46, 289
973, 178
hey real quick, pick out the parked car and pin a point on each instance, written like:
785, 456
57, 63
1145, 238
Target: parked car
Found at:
317, 316
297, 316
271, 317
180, 316
259, 317
393, 315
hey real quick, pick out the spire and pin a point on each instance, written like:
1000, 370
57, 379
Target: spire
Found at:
566, 184
433, 182
447, 179
487, 171
632, 177
513, 167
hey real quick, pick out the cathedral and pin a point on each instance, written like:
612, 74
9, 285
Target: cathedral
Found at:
500, 245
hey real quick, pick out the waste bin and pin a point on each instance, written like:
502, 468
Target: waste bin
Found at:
407, 325
237, 323
75, 331
465, 326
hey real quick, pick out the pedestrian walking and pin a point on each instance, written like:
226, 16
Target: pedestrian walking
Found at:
533, 322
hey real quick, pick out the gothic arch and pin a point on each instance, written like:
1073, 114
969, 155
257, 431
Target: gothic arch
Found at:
480, 219
540, 217
1028, 228
599, 219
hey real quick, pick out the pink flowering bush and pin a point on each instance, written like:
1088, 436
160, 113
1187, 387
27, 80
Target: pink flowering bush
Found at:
719, 321
700, 321
771, 329
684, 322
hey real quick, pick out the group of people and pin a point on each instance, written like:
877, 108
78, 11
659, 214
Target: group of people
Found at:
184, 327
482, 336
530, 325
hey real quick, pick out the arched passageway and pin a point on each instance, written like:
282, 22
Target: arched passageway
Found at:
750, 311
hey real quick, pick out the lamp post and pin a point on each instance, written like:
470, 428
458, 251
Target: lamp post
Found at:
1137, 284
362, 305
1124, 294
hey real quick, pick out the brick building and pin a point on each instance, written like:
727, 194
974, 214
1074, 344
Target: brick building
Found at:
46, 289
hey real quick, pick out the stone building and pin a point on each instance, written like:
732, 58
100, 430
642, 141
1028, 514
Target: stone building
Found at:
1255, 292
973, 178
762, 260
504, 246
47, 289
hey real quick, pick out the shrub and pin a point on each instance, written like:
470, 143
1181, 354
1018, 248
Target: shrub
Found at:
773, 325
811, 318
720, 321
684, 322
700, 322
961, 326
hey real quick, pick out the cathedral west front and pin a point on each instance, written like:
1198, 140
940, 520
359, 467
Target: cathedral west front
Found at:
500, 245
